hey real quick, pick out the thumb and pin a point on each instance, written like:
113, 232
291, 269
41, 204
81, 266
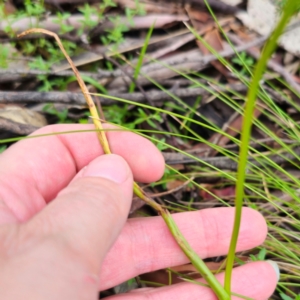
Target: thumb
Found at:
89, 214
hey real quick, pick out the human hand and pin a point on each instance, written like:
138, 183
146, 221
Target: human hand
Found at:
64, 233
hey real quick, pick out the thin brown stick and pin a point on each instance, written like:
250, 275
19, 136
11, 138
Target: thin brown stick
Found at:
153, 95
16, 127
176, 189
87, 96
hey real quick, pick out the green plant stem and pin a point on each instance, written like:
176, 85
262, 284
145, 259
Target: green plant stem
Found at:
182, 242
141, 58
197, 262
269, 48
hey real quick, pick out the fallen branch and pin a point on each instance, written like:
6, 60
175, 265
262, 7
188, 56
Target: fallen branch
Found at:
15, 127
52, 22
156, 96
228, 163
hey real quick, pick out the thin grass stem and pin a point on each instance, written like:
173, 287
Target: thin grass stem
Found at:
269, 48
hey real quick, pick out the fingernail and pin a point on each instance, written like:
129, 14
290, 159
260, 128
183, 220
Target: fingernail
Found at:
111, 167
275, 267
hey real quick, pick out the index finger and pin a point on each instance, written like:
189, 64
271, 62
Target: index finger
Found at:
33, 171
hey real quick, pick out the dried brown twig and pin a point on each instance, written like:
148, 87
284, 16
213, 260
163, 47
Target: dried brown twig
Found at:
7, 125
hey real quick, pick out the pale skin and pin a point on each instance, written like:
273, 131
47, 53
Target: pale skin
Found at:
64, 231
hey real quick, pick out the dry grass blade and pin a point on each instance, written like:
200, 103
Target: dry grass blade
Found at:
88, 98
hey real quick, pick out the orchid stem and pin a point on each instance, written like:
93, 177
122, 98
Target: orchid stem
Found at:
181, 241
